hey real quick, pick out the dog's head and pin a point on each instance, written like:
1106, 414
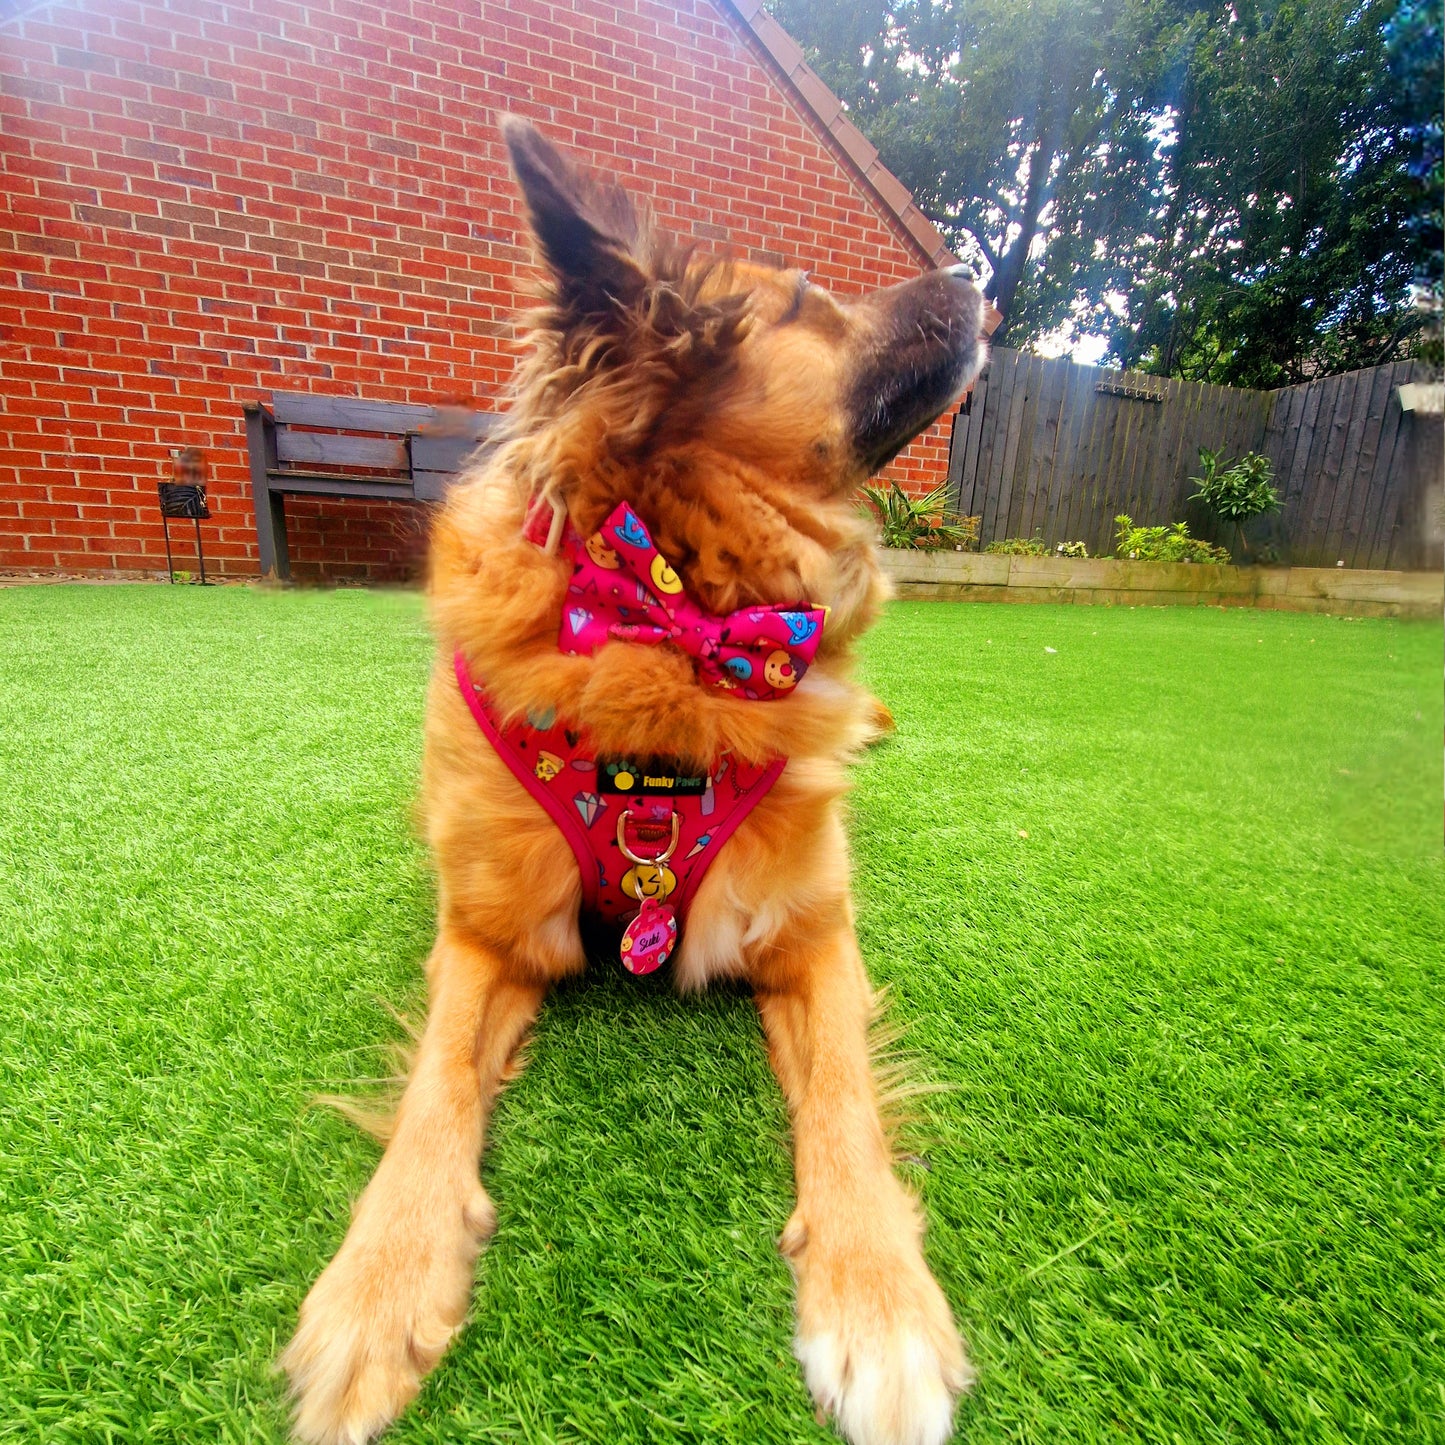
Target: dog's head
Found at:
650, 351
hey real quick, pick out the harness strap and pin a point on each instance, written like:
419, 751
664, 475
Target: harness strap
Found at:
586, 796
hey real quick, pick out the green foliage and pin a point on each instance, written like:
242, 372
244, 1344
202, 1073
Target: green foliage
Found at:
922, 522
1236, 493
1018, 547
1239, 491
1162, 544
1240, 194
1302, 206
1416, 59
1035, 546
1015, 125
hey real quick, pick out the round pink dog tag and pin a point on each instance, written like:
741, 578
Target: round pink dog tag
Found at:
648, 941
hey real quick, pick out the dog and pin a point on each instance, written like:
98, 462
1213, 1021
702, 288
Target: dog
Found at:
646, 602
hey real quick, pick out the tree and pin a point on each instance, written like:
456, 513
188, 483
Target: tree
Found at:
1238, 492
1238, 192
1291, 227
1416, 49
1025, 128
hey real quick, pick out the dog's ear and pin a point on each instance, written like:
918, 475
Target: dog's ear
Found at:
588, 231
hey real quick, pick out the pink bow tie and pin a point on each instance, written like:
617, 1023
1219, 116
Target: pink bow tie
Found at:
623, 589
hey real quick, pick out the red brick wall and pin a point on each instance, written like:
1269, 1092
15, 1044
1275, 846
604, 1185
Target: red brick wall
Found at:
202, 203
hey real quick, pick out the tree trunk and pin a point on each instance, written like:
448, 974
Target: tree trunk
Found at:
1005, 280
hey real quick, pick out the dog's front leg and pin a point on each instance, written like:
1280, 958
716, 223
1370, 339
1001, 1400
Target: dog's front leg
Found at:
385, 1308
875, 1337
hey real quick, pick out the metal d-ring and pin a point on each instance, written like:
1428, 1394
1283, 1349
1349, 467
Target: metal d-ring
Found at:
661, 857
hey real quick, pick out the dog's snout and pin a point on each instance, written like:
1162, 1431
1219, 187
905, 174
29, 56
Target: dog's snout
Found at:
923, 348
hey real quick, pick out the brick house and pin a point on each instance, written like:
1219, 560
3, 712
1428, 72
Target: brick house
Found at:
203, 204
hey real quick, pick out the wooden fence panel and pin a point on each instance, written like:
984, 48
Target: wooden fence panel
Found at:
1294, 486
1022, 405
1416, 464
1427, 516
1354, 537
1090, 467
1282, 436
1372, 389
1354, 475
963, 461
1073, 414
1341, 411
1001, 373
1378, 523
1074, 512
1033, 513
1044, 451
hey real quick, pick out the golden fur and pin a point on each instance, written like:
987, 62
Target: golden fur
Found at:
714, 399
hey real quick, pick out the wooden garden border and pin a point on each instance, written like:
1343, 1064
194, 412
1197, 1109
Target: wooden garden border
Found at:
978, 577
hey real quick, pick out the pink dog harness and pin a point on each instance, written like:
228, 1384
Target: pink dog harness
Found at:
642, 831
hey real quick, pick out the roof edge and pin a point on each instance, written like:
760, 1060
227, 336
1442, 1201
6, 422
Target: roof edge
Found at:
818, 102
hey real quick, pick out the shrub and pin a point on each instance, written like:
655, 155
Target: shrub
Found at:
1018, 547
923, 522
1237, 492
1034, 546
1163, 544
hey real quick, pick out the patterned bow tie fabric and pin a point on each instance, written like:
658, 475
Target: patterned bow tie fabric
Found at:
623, 589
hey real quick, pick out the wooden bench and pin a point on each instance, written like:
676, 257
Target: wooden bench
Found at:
334, 446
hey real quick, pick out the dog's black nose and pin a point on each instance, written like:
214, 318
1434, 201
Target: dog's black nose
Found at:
962, 270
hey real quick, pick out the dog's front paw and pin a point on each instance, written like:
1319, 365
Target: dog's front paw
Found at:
877, 1342
380, 1316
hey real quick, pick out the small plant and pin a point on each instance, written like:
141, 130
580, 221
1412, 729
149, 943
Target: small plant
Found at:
180, 575
924, 522
1034, 546
1071, 549
1162, 544
1237, 492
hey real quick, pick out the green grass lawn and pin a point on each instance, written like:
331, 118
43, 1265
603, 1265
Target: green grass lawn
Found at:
1185, 1180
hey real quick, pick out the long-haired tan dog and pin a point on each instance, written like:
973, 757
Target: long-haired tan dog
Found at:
736, 409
